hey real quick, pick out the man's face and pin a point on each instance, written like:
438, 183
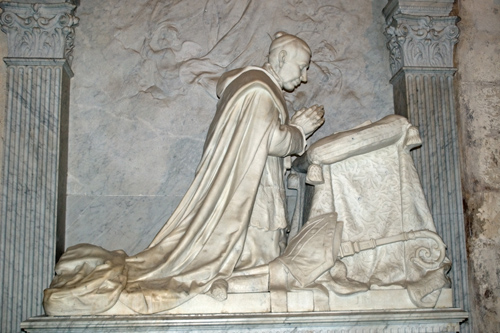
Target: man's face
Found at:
294, 69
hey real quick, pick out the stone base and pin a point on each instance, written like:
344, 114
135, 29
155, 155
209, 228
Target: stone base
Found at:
376, 310
300, 301
419, 320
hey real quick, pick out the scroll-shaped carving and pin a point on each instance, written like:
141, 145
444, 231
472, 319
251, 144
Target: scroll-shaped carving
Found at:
423, 254
39, 30
421, 41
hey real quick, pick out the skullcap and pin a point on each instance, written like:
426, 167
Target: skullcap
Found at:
282, 38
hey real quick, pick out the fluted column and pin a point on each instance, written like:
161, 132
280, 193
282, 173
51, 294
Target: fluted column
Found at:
40, 41
421, 38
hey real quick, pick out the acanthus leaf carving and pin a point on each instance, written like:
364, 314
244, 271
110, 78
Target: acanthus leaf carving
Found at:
421, 41
39, 30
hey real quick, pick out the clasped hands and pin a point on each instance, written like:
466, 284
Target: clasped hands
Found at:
309, 119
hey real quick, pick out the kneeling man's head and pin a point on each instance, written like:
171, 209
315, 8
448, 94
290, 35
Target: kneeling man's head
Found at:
289, 57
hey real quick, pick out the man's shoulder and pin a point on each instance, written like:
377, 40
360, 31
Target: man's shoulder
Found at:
253, 80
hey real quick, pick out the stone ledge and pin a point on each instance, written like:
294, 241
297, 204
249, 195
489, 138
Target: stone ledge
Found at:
419, 320
297, 301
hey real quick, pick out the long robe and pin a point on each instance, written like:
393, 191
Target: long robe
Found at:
238, 185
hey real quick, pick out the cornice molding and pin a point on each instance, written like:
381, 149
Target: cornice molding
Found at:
417, 7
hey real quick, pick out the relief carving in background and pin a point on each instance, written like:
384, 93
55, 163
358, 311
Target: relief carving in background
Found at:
173, 59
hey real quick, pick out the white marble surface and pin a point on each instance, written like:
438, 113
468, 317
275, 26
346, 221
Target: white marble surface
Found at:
298, 301
139, 115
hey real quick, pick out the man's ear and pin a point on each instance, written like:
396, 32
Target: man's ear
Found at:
282, 57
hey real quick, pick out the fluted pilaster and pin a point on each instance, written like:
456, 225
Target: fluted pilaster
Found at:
421, 39
40, 41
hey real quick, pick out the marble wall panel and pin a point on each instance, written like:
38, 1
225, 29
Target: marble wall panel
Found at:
143, 95
128, 222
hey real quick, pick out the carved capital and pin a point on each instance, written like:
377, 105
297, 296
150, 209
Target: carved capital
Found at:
39, 30
415, 41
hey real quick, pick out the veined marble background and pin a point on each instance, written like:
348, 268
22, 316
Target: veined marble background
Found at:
143, 95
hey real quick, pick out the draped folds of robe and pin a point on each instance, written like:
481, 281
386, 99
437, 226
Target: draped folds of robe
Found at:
204, 238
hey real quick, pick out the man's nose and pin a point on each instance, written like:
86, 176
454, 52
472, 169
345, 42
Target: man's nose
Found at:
303, 76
